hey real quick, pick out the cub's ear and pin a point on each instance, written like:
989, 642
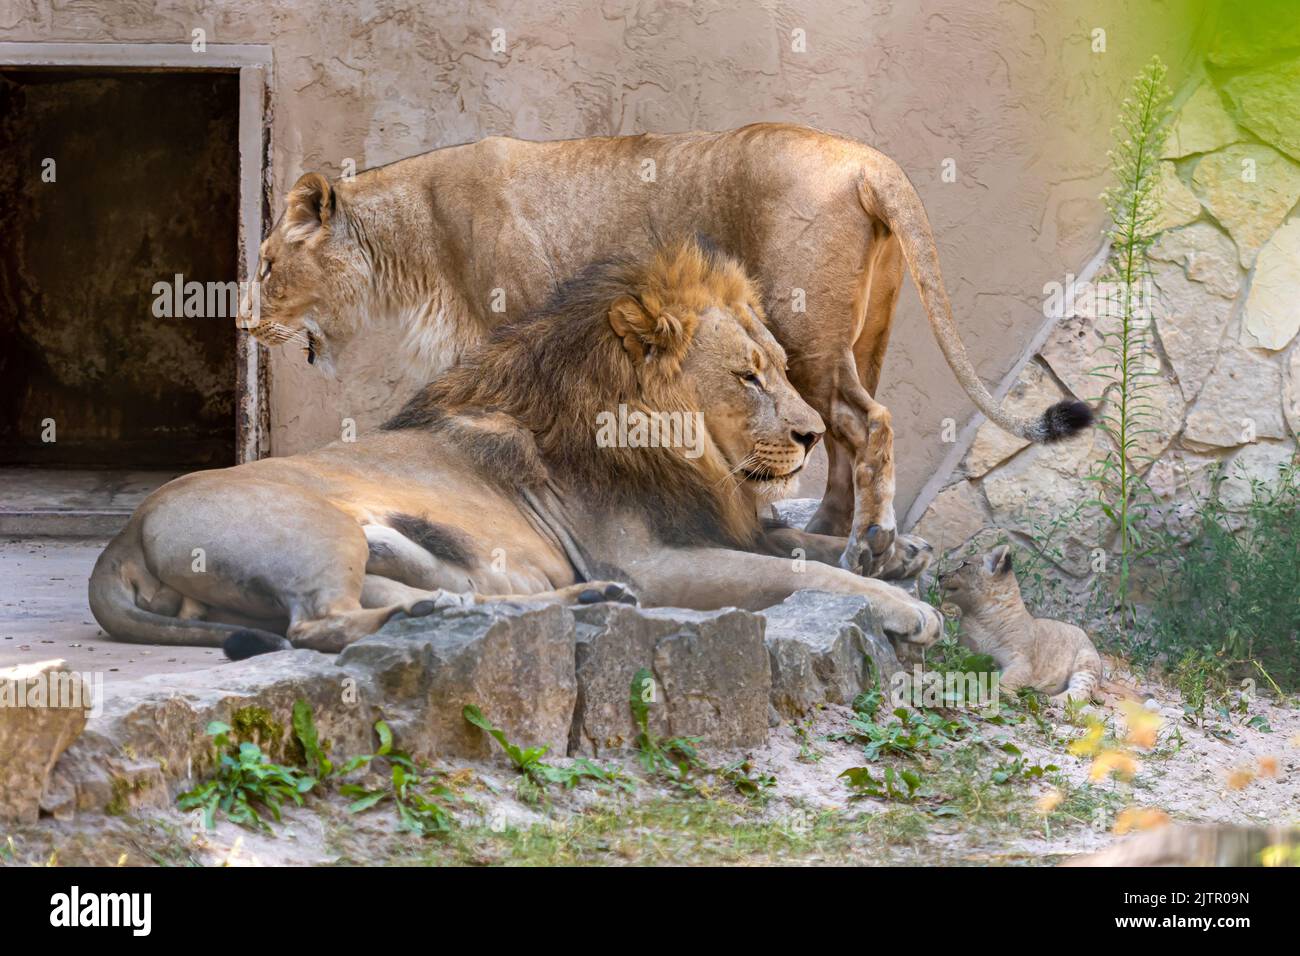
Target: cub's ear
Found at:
309, 207
644, 335
998, 561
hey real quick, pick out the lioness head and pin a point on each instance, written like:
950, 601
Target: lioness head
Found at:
313, 278
694, 332
978, 582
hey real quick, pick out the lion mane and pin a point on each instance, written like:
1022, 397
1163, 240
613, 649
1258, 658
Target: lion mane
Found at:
524, 404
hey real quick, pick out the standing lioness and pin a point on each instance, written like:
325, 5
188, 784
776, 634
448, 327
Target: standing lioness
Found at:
456, 241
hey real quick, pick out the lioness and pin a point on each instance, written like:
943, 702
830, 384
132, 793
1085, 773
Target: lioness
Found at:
453, 242
491, 484
1050, 656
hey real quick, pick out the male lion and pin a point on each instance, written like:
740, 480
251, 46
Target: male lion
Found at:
453, 242
499, 458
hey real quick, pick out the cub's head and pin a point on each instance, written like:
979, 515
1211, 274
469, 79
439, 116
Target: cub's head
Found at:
313, 278
979, 582
694, 331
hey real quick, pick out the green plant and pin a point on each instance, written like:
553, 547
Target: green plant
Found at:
415, 795
910, 732
304, 732
892, 785
1133, 205
1018, 768
676, 760
675, 757
537, 775
247, 784
1226, 605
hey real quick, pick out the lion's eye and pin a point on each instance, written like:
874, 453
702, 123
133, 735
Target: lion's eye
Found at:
266, 269
750, 378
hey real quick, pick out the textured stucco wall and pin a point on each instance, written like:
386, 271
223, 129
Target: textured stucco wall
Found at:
1012, 92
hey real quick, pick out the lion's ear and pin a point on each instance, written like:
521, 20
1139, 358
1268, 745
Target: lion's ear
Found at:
308, 209
645, 334
998, 561
632, 324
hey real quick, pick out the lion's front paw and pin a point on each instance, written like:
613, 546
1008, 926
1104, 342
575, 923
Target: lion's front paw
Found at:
867, 554
910, 557
915, 622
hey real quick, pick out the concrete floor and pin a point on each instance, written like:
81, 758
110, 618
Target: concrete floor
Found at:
44, 614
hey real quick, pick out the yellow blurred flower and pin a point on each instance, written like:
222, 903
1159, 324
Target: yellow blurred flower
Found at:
1239, 779
1143, 725
1268, 767
1050, 801
1140, 818
1112, 762
1090, 742
1279, 854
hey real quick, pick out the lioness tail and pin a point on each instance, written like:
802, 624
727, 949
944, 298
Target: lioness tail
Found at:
887, 193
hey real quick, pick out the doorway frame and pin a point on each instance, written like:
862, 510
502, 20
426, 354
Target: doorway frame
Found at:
253, 62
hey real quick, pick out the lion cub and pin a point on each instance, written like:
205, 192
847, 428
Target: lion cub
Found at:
1051, 656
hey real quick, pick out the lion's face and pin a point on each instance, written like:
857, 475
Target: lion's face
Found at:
761, 426
312, 278
980, 581
694, 331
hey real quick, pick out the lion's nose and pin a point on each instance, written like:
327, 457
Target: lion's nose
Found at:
807, 439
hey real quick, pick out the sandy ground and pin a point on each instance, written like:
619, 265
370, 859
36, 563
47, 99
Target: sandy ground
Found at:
1224, 770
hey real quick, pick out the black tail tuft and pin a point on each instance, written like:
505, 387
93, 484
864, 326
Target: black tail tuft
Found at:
1064, 419
245, 644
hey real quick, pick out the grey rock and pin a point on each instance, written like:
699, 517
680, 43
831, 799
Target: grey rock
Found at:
956, 515
513, 661
1265, 102
1271, 319
1250, 189
1191, 319
1260, 463
1202, 125
42, 711
1240, 402
710, 669
825, 648
796, 512
149, 738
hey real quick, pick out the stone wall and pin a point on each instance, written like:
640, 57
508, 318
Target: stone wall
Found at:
1016, 95
1225, 272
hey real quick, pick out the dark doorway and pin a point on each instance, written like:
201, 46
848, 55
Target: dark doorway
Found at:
145, 186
